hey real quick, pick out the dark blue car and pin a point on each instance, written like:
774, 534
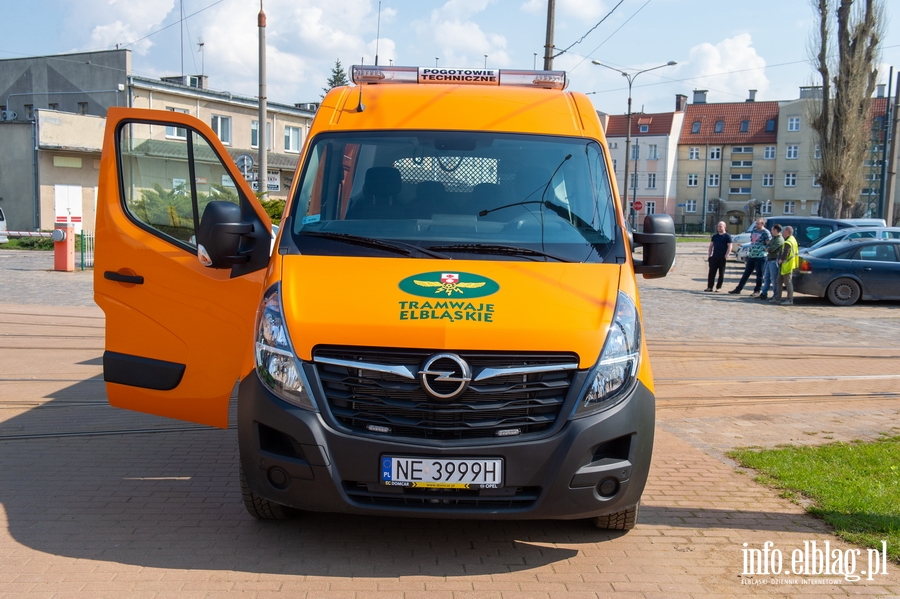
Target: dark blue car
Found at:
848, 271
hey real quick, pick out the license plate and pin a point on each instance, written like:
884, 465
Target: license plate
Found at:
432, 473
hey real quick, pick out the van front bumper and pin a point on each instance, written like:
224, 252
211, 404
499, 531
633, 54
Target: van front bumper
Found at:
591, 466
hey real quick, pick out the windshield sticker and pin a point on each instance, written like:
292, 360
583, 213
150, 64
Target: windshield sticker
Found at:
313, 218
450, 292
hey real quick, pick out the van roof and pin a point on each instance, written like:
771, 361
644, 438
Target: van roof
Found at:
458, 108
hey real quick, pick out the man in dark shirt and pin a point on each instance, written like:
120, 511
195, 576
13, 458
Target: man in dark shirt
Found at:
719, 248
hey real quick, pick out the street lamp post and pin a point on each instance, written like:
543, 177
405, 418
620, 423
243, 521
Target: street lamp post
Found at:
630, 77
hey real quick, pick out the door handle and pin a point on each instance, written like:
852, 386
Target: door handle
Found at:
867, 269
120, 278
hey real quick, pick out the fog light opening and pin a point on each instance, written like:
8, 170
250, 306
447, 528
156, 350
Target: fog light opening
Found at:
608, 487
278, 478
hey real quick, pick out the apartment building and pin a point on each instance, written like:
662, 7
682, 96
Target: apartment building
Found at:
53, 117
652, 159
726, 160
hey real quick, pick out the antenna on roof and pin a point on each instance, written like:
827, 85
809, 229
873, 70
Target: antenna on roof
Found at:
377, 33
200, 49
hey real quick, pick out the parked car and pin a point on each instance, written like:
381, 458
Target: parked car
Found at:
865, 222
807, 229
3, 237
855, 233
848, 271
743, 252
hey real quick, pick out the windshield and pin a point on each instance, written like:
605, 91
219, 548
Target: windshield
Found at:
456, 195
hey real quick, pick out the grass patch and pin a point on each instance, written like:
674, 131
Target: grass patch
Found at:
27, 243
855, 486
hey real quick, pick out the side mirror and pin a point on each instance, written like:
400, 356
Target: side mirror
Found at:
658, 241
220, 235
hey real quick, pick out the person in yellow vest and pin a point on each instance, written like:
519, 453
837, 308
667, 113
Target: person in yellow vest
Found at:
788, 262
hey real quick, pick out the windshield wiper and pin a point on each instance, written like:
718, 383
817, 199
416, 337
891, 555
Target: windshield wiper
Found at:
398, 247
504, 250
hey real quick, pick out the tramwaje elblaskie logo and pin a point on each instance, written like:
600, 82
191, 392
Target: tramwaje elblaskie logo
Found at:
448, 295
814, 559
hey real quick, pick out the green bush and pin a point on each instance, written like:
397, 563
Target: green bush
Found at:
274, 208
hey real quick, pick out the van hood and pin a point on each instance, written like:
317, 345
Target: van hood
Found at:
448, 304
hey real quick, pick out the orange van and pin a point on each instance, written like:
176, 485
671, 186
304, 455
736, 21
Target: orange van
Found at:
447, 323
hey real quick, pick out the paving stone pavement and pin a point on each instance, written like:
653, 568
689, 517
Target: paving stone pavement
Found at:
98, 502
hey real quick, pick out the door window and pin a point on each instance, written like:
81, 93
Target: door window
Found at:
167, 183
877, 253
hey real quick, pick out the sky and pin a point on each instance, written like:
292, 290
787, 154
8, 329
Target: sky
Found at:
724, 46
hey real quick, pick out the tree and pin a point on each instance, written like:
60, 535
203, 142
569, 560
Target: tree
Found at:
337, 79
841, 117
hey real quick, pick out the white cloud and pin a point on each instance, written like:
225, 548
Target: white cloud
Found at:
458, 40
728, 69
107, 36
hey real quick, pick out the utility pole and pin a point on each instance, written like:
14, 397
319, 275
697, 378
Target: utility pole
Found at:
548, 45
263, 176
891, 183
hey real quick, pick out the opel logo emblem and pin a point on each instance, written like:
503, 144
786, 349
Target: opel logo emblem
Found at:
445, 376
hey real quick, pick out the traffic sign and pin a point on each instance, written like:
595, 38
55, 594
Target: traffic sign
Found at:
637, 205
682, 205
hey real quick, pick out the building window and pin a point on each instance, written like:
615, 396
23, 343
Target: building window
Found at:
695, 127
715, 153
768, 180
745, 126
769, 153
720, 126
221, 125
790, 207
766, 207
615, 165
739, 190
632, 180
816, 181
741, 163
254, 135
651, 207
292, 139
82, 107
817, 154
690, 206
692, 180
29, 111
53, 106
770, 125
792, 152
814, 209
694, 154
742, 150
713, 180
176, 132
635, 152
793, 125
790, 179
741, 177
651, 182
644, 128
652, 152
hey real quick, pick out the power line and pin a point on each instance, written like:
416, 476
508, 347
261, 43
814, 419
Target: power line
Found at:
643, 6
172, 24
581, 39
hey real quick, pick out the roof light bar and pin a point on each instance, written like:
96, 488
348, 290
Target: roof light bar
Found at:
361, 74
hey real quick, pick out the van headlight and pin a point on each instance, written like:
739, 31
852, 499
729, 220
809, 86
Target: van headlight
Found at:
276, 362
615, 372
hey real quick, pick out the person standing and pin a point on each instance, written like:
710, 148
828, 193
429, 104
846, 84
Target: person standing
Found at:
788, 263
759, 237
770, 270
717, 253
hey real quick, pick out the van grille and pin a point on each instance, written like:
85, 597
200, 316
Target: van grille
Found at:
528, 402
442, 499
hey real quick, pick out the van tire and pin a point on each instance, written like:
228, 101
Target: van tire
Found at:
263, 509
624, 520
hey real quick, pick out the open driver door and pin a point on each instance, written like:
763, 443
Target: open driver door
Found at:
177, 333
